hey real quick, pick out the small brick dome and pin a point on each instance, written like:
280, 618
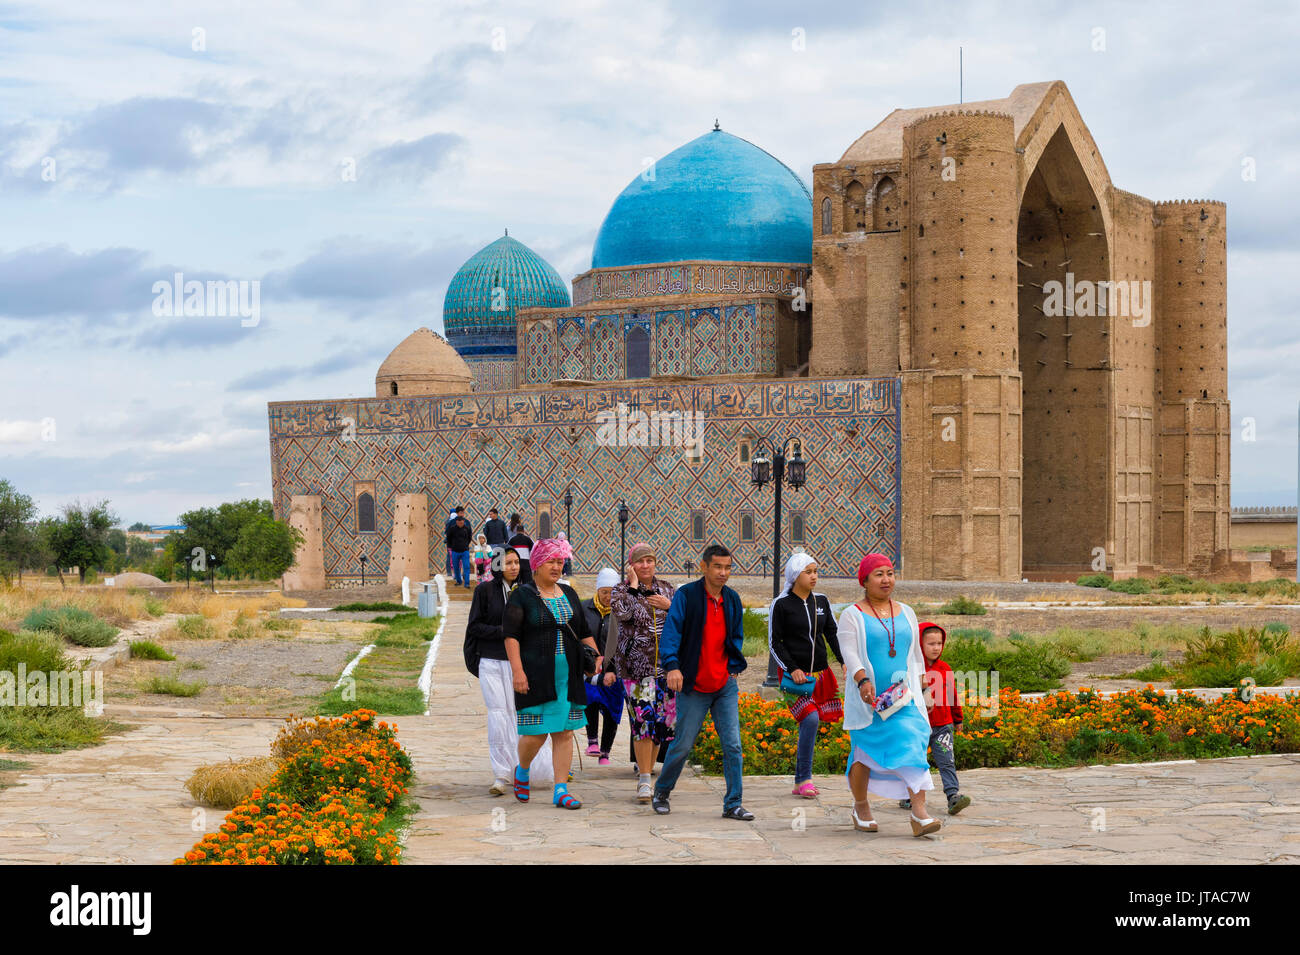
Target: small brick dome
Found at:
423, 364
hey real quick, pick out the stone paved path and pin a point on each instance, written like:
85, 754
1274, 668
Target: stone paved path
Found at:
125, 802
1218, 811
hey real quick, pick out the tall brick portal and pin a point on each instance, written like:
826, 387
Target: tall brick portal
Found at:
1062, 343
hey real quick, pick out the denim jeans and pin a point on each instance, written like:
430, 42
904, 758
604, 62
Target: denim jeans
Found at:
941, 738
692, 707
807, 740
460, 564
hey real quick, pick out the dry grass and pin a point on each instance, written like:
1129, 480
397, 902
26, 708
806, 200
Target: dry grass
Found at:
226, 785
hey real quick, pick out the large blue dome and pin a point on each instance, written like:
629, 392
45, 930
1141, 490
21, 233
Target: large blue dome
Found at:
718, 198
476, 329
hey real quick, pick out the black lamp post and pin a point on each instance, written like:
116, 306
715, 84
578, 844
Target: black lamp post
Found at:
688, 567
779, 471
212, 571
765, 559
568, 517
363, 558
623, 515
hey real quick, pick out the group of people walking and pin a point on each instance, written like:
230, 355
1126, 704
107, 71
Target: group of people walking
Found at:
550, 663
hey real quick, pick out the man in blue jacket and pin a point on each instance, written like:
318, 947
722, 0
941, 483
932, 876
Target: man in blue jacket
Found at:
700, 650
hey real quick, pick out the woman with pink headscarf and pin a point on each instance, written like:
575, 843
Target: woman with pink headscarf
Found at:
545, 631
884, 708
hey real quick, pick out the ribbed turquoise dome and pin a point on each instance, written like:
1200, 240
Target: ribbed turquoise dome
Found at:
473, 327
719, 198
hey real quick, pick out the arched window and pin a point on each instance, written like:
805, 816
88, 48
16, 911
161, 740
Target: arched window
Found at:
885, 208
747, 527
796, 527
365, 513
826, 216
544, 522
855, 207
697, 526
638, 352
393, 386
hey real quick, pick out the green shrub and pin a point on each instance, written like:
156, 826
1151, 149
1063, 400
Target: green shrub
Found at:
1155, 672
755, 625
1032, 666
1225, 659
42, 652
280, 624
1094, 580
1134, 585
73, 624
1177, 584
154, 607
173, 686
963, 605
378, 607
966, 653
196, 627
983, 634
148, 650
1276, 626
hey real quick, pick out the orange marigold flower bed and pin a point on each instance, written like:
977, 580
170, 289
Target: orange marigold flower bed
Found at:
1059, 729
326, 804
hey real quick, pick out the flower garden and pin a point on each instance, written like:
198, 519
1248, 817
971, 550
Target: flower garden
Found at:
335, 800
1059, 729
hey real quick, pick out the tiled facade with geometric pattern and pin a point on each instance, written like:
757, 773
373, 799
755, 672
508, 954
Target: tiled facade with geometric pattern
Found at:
519, 451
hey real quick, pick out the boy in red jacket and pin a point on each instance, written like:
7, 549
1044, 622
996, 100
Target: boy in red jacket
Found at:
945, 715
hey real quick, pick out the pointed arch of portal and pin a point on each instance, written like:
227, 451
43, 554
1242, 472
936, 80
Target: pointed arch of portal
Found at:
1063, 249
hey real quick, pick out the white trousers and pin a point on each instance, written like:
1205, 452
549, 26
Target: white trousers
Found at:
497, 684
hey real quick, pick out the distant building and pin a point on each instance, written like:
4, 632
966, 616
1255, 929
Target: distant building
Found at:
157, 534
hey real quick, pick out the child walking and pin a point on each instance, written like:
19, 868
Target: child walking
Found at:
945, 715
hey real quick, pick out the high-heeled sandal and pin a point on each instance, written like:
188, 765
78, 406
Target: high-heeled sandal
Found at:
923, 827
863, 825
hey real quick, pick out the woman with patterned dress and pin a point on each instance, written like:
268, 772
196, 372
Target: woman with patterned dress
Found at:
641, 603
882, 648
545, 631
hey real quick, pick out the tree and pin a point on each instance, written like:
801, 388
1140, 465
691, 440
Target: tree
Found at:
16, 514
139, 526
80, 537
215, 529
139, 553
265, 548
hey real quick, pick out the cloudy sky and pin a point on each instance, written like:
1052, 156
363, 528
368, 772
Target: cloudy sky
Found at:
350, 156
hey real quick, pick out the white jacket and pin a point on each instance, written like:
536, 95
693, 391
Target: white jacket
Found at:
853, 643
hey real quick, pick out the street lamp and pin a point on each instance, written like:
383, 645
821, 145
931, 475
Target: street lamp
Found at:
568, 516
762, 470
688, 567
363, 558
623, 515
212, 571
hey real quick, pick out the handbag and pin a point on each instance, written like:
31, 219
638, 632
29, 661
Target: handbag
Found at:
892, 699
805, 689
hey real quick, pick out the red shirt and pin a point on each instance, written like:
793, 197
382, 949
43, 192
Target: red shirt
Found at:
712, 673
939, 681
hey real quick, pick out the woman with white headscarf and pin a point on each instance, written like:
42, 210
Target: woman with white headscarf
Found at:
800, 629
602, 699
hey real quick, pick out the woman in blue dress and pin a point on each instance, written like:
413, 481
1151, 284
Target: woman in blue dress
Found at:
887, 753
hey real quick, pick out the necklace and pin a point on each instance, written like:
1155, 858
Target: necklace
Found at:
890, 631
